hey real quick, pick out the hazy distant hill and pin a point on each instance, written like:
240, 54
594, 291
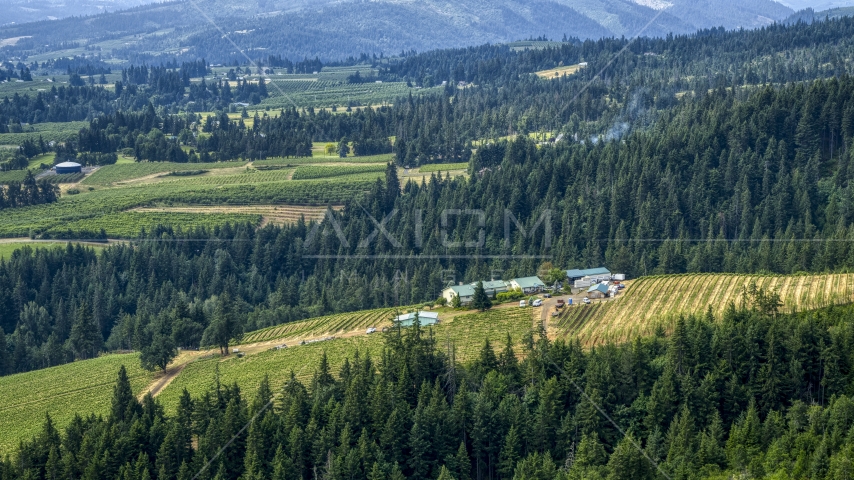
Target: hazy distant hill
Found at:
817, 5
20, 11
335, 29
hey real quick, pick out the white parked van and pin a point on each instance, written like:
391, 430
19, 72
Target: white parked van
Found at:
523, 303
371, 330
537, 303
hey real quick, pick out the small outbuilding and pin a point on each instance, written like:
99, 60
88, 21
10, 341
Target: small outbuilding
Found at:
425, 319
598, 291
65, 168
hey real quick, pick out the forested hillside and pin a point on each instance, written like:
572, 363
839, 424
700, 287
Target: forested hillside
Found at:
718, 185
753, 394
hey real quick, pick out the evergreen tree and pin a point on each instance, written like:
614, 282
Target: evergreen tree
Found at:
5, 367
343, 147
481, 300
85, 338
124, 403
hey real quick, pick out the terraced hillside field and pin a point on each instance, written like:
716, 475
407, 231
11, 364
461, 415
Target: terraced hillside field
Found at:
466, 333
86, 387
328, 325
652, 301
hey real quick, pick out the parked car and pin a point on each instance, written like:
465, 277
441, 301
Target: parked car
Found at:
560, 304
523, 303
537, 303
621, 286
586, 300
547, 295
371, 330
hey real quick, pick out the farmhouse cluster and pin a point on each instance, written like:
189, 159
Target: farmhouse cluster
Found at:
596, 280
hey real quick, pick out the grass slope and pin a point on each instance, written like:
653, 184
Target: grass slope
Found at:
77, 388
466, 332
653, 301
7, 249
86, 387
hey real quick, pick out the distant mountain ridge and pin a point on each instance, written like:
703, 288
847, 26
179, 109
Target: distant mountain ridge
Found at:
22, 11
334, 29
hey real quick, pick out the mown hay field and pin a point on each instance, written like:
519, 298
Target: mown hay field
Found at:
558, 72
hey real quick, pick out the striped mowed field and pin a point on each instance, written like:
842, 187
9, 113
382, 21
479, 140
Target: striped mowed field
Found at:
650, 302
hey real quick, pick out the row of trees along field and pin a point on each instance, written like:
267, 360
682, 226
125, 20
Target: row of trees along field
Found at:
26, 193
751, 394
163, 86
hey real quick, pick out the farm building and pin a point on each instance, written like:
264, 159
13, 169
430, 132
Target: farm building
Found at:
588, 277
494, 287
424, 318
598, 291
601, 272
528, 285
68, 167
465, 292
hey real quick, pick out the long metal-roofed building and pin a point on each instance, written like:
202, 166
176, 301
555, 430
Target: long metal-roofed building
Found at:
574, 275
65, 168
425, 319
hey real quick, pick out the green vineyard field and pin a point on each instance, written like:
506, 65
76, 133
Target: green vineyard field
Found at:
313, 172
279, 162
129, 224
328, 325
77, 388
21, 222
111, 174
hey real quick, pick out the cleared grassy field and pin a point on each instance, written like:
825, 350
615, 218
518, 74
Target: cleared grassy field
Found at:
324, 90
443, 167
7, 249
649, 302
77, 388
558, 72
